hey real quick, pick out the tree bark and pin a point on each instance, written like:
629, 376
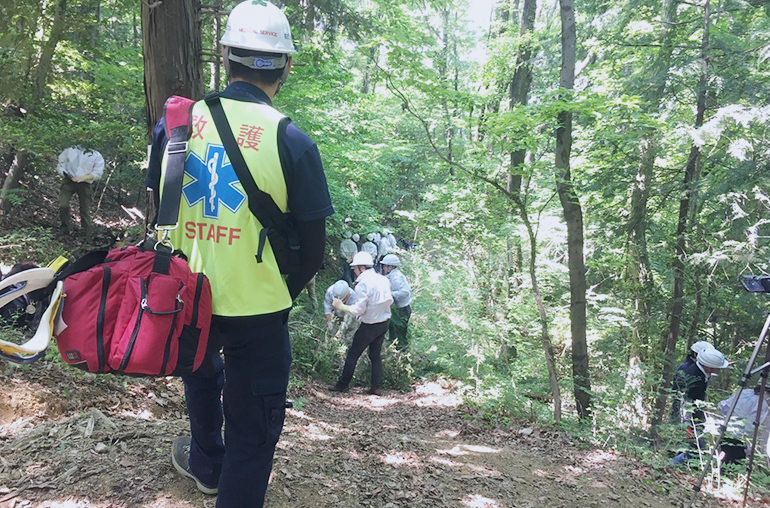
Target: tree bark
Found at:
521, 83
573, 216
171, 36
518, 94
682, 229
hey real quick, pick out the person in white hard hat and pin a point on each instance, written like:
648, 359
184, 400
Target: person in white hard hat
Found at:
79, 169
690, 384
372, 307
691, 381
348, 249
340, 289
692, 355
401, 310
370, 247
245, 391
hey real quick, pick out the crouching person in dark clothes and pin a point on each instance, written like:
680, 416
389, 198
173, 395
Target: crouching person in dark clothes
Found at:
245, 391
690, 383
372, 306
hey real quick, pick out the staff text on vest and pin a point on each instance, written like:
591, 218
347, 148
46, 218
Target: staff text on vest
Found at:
205, 231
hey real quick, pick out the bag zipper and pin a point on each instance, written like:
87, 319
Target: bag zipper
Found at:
100, 319
132, 340
167, 349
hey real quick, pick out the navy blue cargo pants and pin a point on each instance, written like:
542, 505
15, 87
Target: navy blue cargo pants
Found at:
246, 391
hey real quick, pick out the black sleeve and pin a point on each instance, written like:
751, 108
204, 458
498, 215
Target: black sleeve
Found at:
312, 240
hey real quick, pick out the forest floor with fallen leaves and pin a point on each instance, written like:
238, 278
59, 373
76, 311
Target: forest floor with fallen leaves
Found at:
73, 439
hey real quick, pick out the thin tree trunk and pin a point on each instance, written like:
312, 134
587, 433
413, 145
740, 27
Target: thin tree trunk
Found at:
573, 216
40, 77
171, 38
14, 173
682, 229
638, 258
545, 337
518, 94
444, 73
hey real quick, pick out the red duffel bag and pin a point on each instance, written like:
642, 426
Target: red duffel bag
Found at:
136, 311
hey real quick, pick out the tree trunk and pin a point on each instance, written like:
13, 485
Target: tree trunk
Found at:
40, 77
638, 258
171, 38
518, 94
17, 168
682, 229
573, 216
545, 337
443, 67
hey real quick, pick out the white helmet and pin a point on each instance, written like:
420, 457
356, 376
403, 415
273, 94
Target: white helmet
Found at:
370, 237
258, 26
391, 260
348, 219
701, 345
340, 289
362, 258
356, 237
346, 234
712, 358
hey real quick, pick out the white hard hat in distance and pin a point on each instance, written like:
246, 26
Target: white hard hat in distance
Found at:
712, 358
391, 260
701, 345
340, 289
258, 26
362, 258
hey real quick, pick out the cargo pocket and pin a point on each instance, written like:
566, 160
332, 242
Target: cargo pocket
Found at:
274, 414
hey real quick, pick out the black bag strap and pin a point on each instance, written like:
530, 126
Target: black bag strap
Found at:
261, 203
177, 112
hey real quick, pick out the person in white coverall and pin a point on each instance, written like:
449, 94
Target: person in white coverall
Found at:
79, 168
349, 324
372, 307
401, 310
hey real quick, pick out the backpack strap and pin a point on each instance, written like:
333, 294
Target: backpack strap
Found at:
178, 115
261, 203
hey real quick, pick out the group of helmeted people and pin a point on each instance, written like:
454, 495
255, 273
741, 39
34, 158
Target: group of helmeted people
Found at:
691, 381
373, 302
377, 243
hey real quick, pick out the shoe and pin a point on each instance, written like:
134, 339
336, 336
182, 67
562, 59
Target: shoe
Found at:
338, 388
180, 457
375, 391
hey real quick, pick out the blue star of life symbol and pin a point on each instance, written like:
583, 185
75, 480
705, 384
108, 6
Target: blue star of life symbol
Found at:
213, 182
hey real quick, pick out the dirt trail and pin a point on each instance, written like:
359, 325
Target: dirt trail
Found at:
80, 440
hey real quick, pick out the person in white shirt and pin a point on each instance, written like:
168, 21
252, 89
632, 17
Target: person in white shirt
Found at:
372, 307
79, 168
401, 310
348, 249
369, 246
349, 324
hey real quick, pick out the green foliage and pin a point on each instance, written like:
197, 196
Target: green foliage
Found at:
34, 245
416, 135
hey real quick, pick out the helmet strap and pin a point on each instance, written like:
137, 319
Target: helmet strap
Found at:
283, 78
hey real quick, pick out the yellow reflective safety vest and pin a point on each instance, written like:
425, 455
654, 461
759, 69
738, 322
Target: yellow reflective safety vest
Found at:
217, 231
